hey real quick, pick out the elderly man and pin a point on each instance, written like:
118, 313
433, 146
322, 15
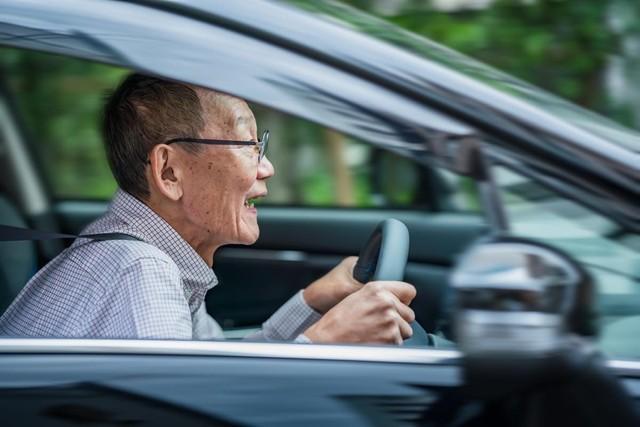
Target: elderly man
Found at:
188, 164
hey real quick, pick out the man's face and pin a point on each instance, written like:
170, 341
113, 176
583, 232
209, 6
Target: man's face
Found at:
221, 180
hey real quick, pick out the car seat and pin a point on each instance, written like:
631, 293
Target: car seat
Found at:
18, 260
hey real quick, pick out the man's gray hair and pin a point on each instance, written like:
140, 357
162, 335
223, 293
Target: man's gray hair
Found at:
142, 112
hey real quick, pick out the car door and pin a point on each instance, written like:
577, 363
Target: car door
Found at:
221, 384
312, 220
328, 194
74, 382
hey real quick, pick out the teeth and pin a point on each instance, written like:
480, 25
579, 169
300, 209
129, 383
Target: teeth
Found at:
250, 202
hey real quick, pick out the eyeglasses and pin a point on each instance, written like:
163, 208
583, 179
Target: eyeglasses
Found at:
261, 144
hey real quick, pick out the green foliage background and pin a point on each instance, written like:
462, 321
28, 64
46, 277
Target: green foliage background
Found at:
61, 102
565, 46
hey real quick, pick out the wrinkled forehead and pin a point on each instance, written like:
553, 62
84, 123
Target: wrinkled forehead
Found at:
226, 115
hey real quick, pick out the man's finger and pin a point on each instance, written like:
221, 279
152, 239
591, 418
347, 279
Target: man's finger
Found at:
398, 339
405, 312
350, 262
403, 291
405, 329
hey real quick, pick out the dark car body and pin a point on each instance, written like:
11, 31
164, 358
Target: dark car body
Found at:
361, 77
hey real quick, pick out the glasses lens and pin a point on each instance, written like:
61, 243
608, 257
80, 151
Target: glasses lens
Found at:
263, 144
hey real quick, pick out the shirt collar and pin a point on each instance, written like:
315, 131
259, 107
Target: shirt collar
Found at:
142, 222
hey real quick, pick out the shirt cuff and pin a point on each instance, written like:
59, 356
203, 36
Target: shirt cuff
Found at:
302, 339
290, 321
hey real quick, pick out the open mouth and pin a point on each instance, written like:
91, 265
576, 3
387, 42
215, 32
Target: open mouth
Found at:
250, 201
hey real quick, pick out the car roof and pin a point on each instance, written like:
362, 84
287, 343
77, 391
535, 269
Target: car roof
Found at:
452, 60
165, 39
342, 69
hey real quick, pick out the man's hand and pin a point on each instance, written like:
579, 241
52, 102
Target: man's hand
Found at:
333, 287
377, 313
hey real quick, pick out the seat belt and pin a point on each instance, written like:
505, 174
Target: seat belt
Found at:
9, 233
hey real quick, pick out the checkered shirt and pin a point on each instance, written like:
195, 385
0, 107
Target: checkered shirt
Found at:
153, 288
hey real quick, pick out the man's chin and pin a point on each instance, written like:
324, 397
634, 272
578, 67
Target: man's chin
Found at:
249, 237
248, 242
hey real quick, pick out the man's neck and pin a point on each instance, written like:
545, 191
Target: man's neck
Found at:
197, 238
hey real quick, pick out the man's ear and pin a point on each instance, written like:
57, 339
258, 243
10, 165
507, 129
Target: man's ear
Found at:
165, 171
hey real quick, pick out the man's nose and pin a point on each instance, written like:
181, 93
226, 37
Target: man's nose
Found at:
265, 169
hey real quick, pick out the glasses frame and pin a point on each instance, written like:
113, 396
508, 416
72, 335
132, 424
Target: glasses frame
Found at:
261, 143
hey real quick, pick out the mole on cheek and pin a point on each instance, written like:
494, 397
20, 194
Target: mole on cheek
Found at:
210, 165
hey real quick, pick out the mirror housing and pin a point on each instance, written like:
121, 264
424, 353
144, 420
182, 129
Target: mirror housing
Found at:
521, 312
518, 295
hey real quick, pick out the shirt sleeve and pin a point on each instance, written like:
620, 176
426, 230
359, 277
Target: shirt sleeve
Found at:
157, 305
289, 322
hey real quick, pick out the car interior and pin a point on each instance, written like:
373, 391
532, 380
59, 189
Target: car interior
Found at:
329, 193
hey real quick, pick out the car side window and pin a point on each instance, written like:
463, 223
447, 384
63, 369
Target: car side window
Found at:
60, 100
318, 167
611, 254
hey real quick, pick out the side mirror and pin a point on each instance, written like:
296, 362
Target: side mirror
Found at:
513, 294
521, 309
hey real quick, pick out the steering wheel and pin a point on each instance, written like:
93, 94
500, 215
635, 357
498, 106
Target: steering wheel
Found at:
384, 257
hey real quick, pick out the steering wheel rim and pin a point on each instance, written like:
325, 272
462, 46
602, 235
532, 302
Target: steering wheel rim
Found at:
384, 257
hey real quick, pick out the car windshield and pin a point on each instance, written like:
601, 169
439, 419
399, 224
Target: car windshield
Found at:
611, 254
420, 46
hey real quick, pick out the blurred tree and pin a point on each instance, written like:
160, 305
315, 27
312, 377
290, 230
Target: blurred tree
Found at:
563, 46
62, 113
